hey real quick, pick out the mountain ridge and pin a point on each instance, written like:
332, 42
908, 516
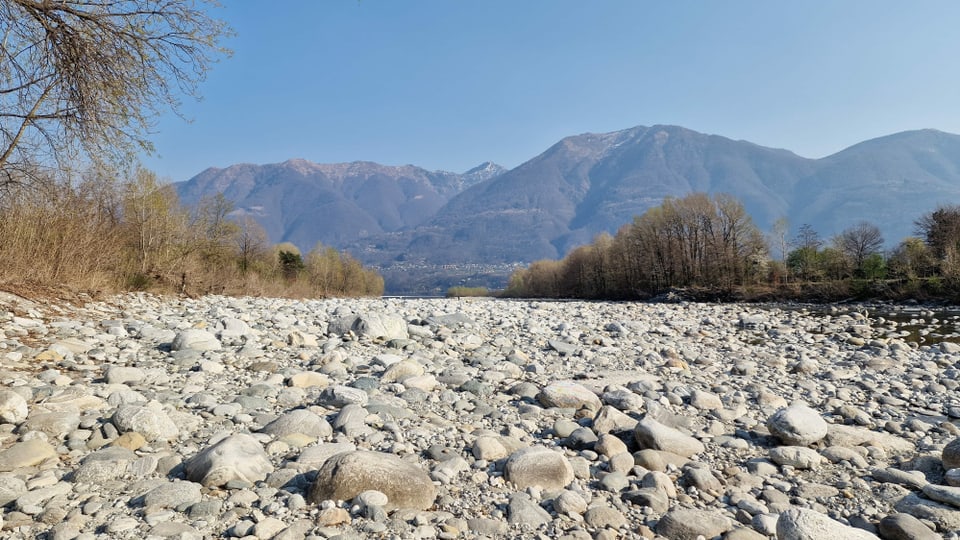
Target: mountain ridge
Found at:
583, 185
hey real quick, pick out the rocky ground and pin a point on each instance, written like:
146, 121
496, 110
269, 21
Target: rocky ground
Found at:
147, 417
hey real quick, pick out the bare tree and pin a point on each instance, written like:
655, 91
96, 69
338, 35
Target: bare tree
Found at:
859, 242
90, 77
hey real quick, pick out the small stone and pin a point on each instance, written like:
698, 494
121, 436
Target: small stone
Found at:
299, 421
150, 422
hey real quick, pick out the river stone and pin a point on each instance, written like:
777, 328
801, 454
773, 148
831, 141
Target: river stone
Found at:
797, 425
195, 339
945, 516
54, 424
11, 488
604, 516
299, 421
346, 475
371, 325
237, 457
401, 371
149, 421
852, 436
103, 465
124, 375
805, 524
650, 433
945, 494
13, 408
951, 454
799, 457
688, 524
315, 456
524, 510
172, 495
570, 503
26, 454
905, 527
538, 466
307, 379
568, 395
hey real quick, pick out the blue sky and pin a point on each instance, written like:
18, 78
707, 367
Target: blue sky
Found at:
447, 84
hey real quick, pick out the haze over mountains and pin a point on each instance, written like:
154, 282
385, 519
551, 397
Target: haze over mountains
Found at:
583, 185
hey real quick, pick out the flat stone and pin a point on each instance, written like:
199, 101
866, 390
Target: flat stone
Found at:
299, 421
689, 524
805, 524
172, 495
905, 527
568, 395
799, 457
650, 433
945, 516
26, 454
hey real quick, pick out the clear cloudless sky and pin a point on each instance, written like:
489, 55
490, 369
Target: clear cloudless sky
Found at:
447, 84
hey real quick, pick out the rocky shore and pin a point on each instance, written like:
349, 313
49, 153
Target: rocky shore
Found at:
147, 417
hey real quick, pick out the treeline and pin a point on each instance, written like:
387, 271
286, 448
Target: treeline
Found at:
99, 232
710, 244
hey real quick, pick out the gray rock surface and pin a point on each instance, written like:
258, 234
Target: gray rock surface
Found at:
105, 425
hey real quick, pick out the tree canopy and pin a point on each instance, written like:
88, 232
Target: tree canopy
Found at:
89, 77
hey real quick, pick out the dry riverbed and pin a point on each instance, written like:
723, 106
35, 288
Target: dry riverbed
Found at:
150, 417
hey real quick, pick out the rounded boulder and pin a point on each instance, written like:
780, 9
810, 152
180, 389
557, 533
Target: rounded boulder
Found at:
797, 425
346, 475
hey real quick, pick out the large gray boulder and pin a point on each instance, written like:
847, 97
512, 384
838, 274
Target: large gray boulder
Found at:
149, 421
805, 524
346, 475
797, 425
371, 325
237, 457
538, 466
195, 339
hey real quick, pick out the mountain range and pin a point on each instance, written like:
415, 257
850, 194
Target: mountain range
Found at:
400, 217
